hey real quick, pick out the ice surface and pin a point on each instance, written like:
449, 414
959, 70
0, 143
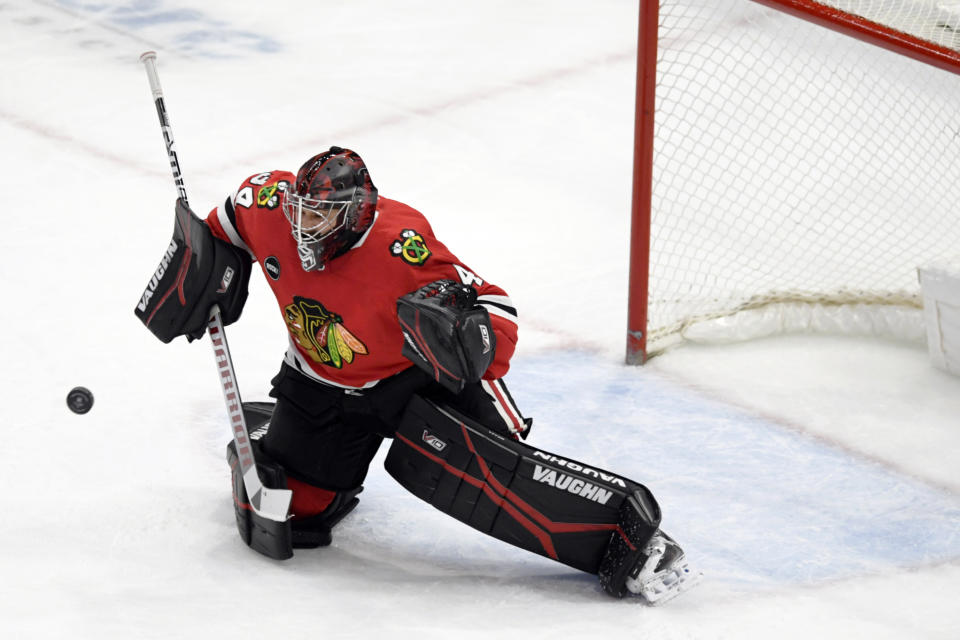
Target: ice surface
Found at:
813, 479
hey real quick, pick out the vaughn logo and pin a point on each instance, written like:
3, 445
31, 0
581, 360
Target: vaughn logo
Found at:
579, 468
157, 275
434, 441
576, 486
260, 432
227, 279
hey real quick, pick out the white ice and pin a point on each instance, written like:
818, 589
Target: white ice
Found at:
813, 479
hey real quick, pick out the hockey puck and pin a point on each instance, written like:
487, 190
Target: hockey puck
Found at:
80, 400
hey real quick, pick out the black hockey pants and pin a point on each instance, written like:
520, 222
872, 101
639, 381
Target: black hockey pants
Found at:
326, 436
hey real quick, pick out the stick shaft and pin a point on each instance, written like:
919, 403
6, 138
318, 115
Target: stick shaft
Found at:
269, 503
149, 60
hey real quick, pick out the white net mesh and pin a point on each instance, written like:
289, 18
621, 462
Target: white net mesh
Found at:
795, 165
937, 22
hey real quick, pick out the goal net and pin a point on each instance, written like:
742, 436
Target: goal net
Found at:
801, 161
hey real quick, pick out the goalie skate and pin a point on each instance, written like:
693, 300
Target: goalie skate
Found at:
663, 573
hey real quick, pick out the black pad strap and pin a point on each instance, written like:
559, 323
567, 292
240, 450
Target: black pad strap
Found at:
553, 506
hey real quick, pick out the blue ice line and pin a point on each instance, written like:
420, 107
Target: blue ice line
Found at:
753, 503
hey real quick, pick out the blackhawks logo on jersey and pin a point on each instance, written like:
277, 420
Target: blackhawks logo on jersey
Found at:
321, 333
269, 195
411, 248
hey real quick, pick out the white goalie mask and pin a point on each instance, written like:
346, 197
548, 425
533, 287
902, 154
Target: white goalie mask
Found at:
314, 225
330, 206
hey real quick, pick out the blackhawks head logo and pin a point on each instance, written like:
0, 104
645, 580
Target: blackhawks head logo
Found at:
321, 333
411, 248
269, 196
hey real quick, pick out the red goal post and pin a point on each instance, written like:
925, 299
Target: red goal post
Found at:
779, 162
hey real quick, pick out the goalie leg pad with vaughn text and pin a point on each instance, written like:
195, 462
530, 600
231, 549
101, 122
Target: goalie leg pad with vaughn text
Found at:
559, 508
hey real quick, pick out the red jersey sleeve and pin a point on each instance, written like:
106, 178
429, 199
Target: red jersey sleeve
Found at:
259, 191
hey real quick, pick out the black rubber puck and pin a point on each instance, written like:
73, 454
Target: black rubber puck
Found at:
80, 400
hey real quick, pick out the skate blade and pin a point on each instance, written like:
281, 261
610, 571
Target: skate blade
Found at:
667, 585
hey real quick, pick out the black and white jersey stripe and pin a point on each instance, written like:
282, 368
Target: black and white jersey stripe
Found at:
227, 217
499, 306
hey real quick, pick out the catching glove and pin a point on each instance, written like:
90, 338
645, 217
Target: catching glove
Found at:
446, 334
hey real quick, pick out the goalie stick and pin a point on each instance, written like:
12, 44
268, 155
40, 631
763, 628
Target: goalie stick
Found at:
273, 504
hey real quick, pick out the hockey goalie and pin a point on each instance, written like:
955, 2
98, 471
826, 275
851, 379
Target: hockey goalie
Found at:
392, 337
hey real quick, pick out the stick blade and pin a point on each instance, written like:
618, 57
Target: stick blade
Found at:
273, 504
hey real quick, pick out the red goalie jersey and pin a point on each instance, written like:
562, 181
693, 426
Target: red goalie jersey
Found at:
342, 320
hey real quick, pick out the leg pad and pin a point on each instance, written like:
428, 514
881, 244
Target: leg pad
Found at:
274, 539
553, 506
638, 520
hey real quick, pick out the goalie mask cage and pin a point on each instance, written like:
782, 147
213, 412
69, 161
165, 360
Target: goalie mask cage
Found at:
795, 162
